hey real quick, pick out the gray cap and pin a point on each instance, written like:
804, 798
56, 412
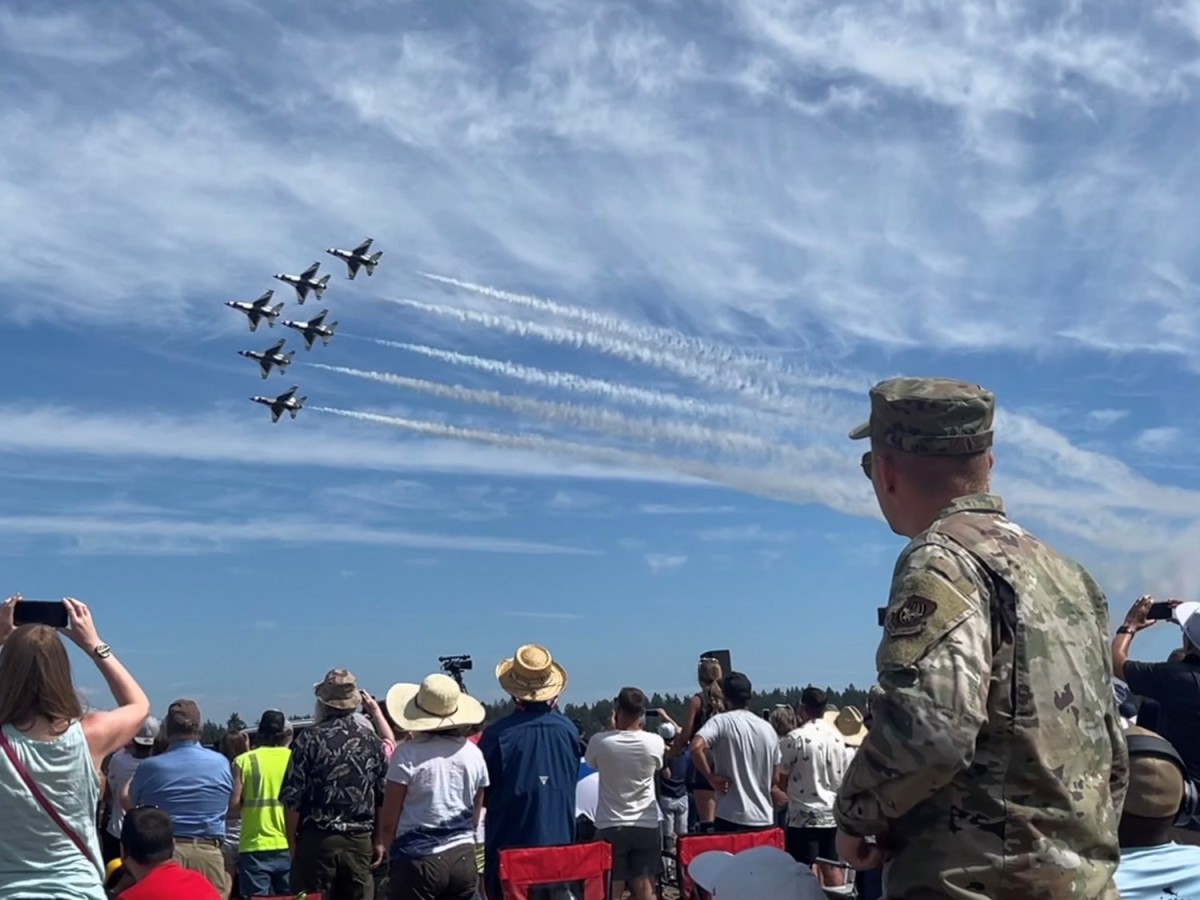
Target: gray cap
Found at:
148, 733
930, 416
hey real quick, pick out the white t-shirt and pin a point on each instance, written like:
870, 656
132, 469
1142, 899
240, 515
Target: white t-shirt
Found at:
120, 772
443, 775
627, 762
746, 750
814, 757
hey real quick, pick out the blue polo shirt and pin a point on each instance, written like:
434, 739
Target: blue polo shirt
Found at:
533, 765
190, 784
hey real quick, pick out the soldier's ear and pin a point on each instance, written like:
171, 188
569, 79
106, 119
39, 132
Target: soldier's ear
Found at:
888, 475
991, 459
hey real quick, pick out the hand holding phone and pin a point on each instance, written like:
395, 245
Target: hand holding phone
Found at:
1161, 611
41, 612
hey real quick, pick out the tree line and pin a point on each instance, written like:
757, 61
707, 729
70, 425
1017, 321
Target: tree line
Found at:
593, 717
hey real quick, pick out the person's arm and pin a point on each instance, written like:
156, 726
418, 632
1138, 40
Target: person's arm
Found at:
292, 793
235, 799
478, 809
126, 799
934, 671
110, 730
1135, 620
699, 748
389, 817
685, 735
779, 788
378, 719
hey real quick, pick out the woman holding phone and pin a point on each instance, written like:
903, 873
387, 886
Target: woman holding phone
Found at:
50, 754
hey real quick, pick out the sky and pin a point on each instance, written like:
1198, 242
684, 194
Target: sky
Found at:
641, 263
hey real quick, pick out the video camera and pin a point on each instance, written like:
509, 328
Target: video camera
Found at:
454, 666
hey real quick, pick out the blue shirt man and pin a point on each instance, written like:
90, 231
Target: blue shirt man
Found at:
532, 757
189, 783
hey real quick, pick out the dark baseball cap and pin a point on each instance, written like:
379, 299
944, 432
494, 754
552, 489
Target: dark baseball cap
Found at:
273, 722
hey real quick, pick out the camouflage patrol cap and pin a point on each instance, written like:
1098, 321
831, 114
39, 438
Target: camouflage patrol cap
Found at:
930, 416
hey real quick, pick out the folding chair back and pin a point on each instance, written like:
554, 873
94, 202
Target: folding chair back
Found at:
586, 864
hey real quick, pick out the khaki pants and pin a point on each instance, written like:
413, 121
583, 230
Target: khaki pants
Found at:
206, 858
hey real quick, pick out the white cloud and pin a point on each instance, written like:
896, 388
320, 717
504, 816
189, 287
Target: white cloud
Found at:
1107, 417
1159, 440
661, 563
175, 536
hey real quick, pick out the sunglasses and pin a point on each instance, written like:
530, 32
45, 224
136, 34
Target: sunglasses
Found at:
866, 463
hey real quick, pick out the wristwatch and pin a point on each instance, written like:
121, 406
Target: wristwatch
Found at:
1125, 629
102, 651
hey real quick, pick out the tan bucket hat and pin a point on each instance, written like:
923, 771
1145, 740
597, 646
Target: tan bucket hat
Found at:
852, 726
437, 703
339, 690
532, 675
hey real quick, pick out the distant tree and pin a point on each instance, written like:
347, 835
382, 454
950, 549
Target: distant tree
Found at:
235, 724
211, 733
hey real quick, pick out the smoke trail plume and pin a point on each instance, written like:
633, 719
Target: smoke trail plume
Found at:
675, 341
601, 421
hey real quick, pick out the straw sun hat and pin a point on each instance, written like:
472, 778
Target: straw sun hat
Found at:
532, 675
437, 703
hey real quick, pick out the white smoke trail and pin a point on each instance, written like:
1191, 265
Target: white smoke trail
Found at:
675, 341
818, 488
601, 421
568, 381
715, 376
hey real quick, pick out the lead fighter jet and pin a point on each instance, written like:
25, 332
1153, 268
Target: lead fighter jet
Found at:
306, 281
313, 329
271, 357
258, 310
358, 257
285, 402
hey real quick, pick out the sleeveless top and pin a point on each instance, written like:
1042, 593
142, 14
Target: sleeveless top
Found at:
36, 858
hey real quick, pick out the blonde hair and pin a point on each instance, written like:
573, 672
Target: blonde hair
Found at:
35, 679
709, 674
234, 744
783, 720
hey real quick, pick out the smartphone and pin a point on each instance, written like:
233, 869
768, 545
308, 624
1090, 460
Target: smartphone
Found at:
1157, 611
652, 714
41, 612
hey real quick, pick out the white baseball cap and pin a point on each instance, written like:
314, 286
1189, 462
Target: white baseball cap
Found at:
666, 731
148, 733
1185, 614
761, 873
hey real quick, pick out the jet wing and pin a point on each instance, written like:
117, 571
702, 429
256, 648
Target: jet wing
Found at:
270, 351
264, 299
310, 271
276, 412
319, 319
362, 248
288, 394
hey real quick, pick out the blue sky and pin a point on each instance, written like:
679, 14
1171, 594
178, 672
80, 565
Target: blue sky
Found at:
745, 212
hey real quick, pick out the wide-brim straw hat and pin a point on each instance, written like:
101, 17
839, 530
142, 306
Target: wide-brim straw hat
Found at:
532, 675
436, 704
852, 726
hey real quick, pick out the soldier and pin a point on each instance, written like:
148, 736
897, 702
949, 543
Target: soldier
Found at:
995, 766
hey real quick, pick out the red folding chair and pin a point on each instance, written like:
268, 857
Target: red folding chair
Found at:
689, 846
529, 867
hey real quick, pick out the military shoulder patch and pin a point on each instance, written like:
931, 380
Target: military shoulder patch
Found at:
923, 609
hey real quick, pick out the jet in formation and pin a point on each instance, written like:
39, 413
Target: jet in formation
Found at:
306, 281
285, 402
358, 257
258, 310
271, 357
313, 329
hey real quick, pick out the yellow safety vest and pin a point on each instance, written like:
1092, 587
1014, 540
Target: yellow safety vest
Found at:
262, 772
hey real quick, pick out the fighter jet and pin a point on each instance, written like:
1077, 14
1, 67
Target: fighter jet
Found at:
306, 281
271, 357
258, 310
358, 257
314, 328
285, 402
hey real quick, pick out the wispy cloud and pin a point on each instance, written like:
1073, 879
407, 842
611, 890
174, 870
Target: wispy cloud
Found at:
661, 563
173, 536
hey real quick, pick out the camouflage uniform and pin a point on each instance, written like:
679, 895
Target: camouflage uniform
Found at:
995, 766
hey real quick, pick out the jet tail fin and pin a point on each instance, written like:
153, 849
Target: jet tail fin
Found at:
375, 256
332, 326
277, 308
323, 283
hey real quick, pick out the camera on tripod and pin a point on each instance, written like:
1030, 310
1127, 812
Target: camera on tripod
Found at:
454, 666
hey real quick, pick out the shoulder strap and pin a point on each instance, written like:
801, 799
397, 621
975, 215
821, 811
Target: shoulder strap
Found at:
43, 802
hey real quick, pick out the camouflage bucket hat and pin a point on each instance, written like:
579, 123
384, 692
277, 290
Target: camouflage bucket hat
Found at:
339, 690
930, 416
